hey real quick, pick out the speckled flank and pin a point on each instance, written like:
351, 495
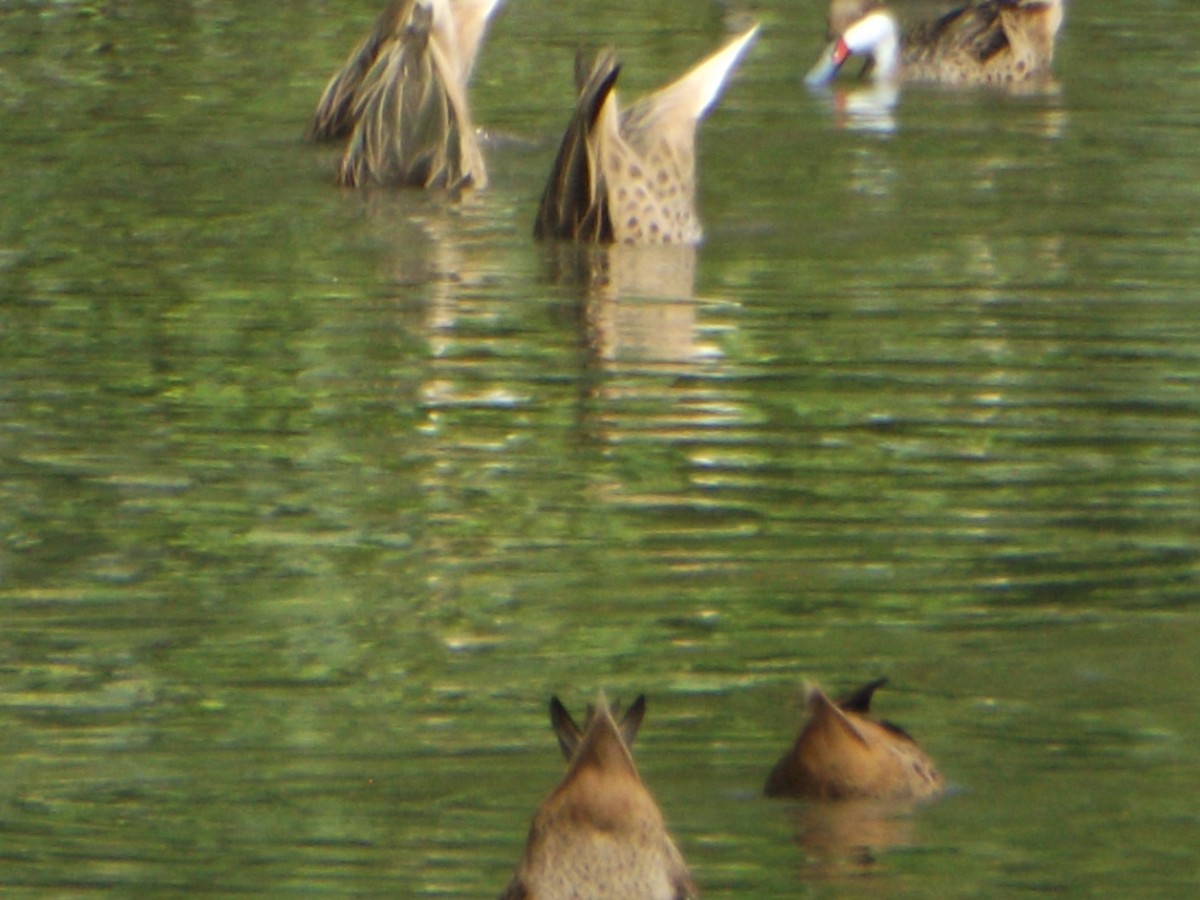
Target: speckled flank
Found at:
653, 198
1015, 45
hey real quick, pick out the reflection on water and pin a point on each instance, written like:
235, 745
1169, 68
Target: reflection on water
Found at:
310, 499
846, 839
639, 301
871, 108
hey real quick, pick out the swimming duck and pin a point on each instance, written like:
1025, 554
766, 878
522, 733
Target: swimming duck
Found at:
842, 754
401, 97
631, 177
599, 835
1007, 44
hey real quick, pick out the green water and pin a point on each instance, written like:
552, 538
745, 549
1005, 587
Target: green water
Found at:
309, 501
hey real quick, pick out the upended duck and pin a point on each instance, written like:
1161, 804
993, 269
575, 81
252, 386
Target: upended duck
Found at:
401, 98
1007, 44
841, 754
630, 177
599, 835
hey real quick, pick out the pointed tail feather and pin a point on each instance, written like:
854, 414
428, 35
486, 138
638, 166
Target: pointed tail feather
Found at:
698, 89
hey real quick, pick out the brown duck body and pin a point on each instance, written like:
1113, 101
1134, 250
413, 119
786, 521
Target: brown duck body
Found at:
841, 753
631, 177
987, 42
401, 98
599, 835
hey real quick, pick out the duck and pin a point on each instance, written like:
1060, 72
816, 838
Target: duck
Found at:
1005, 44
401, 98
842, 753
630, 177
600, 834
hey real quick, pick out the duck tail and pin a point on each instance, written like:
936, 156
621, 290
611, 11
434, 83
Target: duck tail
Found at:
412, 124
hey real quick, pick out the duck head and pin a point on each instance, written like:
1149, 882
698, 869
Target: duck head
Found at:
600, 833
876, 36
843, 753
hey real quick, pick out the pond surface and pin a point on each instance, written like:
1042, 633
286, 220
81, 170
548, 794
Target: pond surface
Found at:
309, 500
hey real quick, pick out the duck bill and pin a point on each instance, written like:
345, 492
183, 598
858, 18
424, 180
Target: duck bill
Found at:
827, 66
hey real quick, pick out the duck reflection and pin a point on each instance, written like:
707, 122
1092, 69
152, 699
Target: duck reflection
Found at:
845, 838
642, 307
638, 301
869, 107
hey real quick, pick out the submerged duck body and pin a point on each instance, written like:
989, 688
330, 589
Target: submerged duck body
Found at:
841, 753
599, 835
629, 177
1007, 44
401, 98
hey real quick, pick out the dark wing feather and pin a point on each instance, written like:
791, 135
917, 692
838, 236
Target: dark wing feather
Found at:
632, 720
574, 204
565, 729
860, 700
975, 27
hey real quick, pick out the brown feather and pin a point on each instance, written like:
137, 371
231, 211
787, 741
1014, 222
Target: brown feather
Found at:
334, 116
401, 98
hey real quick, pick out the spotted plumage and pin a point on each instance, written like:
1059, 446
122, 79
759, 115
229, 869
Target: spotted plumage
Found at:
631, 177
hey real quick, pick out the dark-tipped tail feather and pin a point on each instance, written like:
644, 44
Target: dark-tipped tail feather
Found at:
574, 204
